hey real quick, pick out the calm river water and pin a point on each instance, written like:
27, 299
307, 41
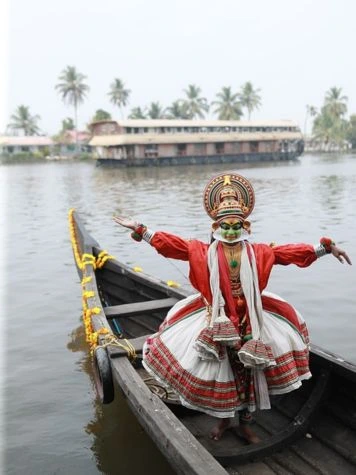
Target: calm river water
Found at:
53, 424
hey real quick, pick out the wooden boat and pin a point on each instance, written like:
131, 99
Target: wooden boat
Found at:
309, 431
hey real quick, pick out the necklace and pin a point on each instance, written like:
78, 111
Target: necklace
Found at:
233, 254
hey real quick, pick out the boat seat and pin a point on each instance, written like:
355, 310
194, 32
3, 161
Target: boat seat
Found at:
131, 309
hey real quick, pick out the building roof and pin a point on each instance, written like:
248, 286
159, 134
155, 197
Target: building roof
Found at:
25, 141
141, 139
199, 123
69, 136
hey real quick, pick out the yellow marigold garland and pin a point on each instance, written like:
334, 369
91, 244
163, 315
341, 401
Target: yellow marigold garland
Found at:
82, 261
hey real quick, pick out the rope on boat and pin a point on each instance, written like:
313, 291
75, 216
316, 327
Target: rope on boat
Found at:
112, 340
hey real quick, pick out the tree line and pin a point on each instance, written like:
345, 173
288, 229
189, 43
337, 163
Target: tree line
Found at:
329, 122
73, 90
330, 125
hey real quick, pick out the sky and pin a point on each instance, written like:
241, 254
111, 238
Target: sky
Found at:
292, 50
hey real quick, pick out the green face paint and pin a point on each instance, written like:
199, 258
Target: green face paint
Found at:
231, 229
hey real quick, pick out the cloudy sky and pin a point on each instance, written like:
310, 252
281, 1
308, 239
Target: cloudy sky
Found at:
294, 51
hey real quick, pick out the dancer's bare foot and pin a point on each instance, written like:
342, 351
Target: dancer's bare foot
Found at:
248, 434
220, 428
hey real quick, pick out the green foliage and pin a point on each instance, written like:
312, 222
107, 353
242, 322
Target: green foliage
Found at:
177, 110
228, 105
195, 105
329, 125
23, 120
67, 124
137, 113
250, 98
101, 114
155, 111
351, 131
118, 94
72, 87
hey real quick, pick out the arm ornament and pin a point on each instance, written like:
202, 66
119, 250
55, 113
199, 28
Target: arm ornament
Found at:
324, 247
138, 232
327, 243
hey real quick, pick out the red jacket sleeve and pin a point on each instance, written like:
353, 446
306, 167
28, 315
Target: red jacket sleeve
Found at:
302, 255
170, 245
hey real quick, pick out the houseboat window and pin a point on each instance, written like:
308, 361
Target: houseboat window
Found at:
128, 130
220, 147
253, 147
200, 148
24, 148
145, 130
151, 150
136, 130
181, 149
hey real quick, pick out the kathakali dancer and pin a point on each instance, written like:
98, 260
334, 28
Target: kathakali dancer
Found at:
230, 346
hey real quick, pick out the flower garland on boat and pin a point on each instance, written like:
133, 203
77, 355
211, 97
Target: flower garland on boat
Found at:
82, 261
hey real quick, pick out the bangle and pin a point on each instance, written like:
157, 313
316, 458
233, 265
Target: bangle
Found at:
327, 243
138, 232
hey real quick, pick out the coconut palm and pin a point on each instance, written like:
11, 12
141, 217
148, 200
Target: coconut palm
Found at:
155, 111
336, 102
249, 98
137, 113
194, 103
311, 111
330, 129
23, 120
177, 110
73, 90
119, 96
228, 105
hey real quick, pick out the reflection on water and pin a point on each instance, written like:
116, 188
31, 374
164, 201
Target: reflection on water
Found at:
114, 425
54, 422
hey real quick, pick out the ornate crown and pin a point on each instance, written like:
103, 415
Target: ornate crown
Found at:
229, 195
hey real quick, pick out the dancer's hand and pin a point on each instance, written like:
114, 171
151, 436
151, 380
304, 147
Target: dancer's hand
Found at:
340, 254
126, 222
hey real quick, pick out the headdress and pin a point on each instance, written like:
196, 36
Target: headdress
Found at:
229, 195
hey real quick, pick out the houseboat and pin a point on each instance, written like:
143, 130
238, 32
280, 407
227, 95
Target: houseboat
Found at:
181, 142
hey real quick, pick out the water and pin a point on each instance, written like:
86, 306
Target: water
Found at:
53, 424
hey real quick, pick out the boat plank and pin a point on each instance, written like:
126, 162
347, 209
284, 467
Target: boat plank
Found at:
127, 310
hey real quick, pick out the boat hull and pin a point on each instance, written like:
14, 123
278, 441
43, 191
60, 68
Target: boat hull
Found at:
198, 159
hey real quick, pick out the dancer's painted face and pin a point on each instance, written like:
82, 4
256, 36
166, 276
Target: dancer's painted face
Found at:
231, 229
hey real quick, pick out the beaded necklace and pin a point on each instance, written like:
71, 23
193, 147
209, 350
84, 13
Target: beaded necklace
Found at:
233, 257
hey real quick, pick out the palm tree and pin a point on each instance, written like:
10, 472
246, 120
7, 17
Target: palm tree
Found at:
336, 102
155, 111
73, 91
228, 106
311, 112
119, 96
249, 97
23, 120
194, 103
178, 110
137, 113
